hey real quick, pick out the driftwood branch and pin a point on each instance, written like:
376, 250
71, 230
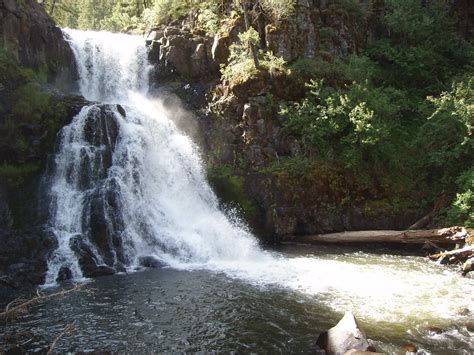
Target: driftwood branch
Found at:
20, 306
461, 253
423, 222
68, 329
452, 236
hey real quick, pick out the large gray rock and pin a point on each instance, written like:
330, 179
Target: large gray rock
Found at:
346, 337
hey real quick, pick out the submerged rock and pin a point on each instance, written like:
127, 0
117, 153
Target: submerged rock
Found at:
346, 336
101, 270
150, 261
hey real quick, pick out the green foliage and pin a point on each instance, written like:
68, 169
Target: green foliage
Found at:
447, 138
462, 208
337, 73
241, 66
357, 128
209, 18
448, 131
278, 9
230, 189
423, 50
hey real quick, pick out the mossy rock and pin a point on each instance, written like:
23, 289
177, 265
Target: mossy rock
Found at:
229, 188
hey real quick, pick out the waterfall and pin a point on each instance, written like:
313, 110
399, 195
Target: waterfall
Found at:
126, 183
128, 189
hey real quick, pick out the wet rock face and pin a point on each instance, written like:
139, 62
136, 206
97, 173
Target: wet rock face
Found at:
87, 259
32, 38
102, 219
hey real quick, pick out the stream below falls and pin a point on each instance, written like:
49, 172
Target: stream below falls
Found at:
397, 299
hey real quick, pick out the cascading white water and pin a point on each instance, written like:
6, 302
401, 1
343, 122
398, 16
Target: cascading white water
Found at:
153, 199
167, 208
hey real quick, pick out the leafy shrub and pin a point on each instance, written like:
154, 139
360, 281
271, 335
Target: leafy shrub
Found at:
278, 9
358, 128
423, 49
462, 208
241, 66
448, 132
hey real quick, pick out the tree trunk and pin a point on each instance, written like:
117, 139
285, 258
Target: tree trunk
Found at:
439, 204
253, 50
452, 236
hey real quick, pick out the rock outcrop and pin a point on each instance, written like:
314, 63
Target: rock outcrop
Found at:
177, 51
346, 337
29, 35
33, 56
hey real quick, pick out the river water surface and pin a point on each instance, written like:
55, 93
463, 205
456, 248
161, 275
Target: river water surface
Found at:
168, 310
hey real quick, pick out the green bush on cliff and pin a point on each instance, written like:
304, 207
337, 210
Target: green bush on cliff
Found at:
241, 66
353, 127
462, 209
278, 9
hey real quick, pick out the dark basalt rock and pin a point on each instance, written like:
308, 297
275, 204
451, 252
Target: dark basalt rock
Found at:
150, 261
101, 270
87, 259
32, 41
32, 38
64, 274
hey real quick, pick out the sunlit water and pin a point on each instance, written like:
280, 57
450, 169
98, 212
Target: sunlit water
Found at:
221, 291
169, 310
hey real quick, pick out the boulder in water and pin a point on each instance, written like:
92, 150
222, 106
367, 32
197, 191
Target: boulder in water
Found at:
149, 261
433, 330
346, 336
64, 274
101, 270
87, 259
470, 327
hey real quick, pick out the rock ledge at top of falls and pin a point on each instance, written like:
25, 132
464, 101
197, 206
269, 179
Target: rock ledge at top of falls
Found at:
30, 36
176, 50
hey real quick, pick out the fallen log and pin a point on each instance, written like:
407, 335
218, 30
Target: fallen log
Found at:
460, 253
450, 236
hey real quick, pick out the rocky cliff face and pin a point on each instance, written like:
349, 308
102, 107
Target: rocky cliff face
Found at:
33, 40
244, 135
33, 57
